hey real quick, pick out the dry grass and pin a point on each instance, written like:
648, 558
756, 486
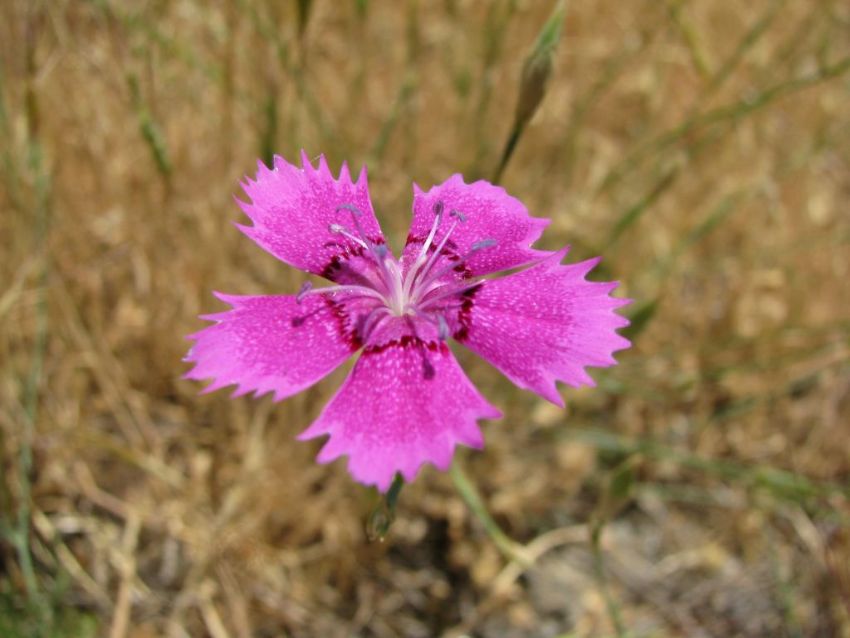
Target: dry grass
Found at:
702, 147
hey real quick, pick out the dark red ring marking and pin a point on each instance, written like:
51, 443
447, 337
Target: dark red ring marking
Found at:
407, 341
464, 315
348, 251
343, 321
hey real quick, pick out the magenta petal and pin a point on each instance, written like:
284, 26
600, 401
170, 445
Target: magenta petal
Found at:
272, 344
293, 208
405, 403
489, 213
544, 324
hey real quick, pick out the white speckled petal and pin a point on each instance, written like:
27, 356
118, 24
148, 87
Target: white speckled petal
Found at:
406, 402
292, 210
273, 343
546, 324
488, 213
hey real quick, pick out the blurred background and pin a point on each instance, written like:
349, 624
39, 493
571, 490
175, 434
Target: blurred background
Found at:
703, 148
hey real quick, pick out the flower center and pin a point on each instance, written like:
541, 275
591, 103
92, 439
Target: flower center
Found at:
422, 290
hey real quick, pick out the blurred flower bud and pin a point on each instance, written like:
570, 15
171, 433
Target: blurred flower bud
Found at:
532, 84
537, 67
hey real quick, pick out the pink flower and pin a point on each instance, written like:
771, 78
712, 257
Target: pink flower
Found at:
407, 401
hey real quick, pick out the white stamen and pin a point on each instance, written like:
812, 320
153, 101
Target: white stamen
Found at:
418, 269
438, 218
342, 230
427, 303
423, 252
363, 291
420, 292
356, 214
379, 252
423, 287
439, 249
398, 297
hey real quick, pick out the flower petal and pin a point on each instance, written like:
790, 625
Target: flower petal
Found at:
273, 343
489, 213
405, 403
544, 324
293, 208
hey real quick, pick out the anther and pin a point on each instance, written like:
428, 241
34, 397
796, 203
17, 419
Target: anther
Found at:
438, 208
428, 371
303, 292
442, 328
356, 214
352, 208
460, 216
484, 243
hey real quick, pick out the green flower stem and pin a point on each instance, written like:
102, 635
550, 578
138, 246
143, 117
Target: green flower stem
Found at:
602, 580
382, 517
510, 548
